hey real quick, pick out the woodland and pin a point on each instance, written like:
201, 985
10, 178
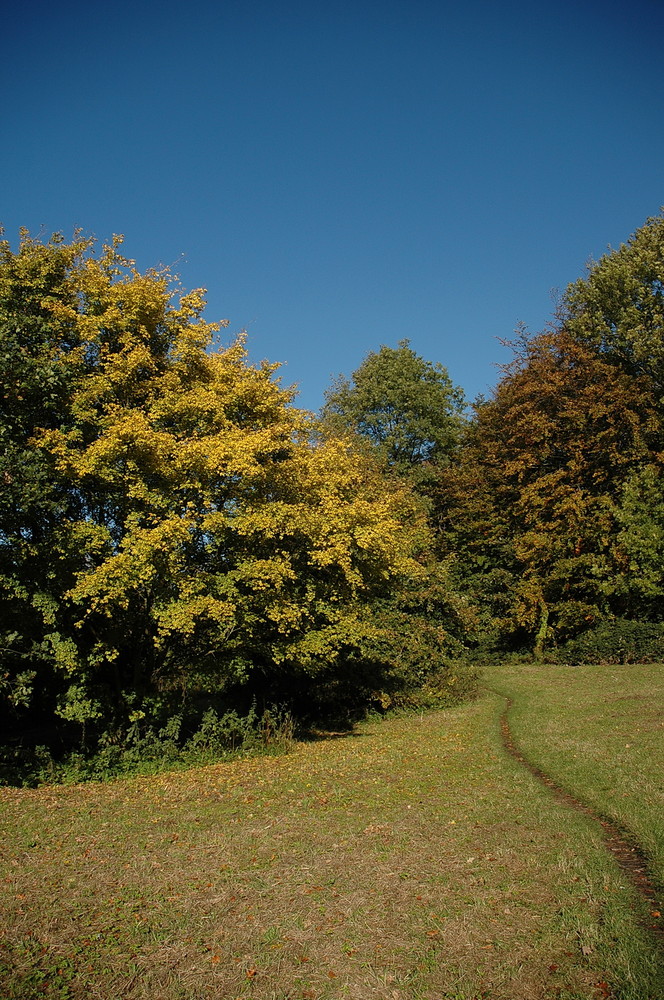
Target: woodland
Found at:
189, 562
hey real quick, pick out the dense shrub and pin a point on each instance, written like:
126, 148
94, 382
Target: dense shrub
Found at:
218, 737
442, 689
615, 640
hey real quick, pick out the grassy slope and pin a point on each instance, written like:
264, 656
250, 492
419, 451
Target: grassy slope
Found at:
600, 732
412, 861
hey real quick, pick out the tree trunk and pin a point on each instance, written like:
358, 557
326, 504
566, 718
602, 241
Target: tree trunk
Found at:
542, 631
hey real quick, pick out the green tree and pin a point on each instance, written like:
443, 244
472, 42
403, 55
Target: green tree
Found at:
639, 575
406, 407
40, 356
618, 308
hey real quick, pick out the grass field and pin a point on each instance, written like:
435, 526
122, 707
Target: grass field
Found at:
599, 731
412, 860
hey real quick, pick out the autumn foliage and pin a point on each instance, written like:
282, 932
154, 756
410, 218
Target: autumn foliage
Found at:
554, 507
178, 539
170, 538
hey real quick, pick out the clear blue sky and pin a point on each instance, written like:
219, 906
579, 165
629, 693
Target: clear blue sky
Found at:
344, 175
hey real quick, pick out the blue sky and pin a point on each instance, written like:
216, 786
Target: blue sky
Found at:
342, 176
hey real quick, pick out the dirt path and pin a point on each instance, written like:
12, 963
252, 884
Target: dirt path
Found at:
628, 855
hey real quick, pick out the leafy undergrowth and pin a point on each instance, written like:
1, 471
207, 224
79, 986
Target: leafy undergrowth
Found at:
599, 732
412, 860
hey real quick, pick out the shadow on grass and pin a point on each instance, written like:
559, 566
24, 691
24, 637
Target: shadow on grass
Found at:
322, 735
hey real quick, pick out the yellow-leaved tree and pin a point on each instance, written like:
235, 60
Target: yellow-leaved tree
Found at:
192, 542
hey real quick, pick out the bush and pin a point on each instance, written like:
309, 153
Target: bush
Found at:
616, 640
218, 737
456, 683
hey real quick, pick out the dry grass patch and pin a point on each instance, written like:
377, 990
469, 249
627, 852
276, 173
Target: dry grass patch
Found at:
413, 860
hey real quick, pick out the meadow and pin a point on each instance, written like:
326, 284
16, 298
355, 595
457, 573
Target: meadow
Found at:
412, 859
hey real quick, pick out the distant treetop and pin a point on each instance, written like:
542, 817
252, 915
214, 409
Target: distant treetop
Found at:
406, 407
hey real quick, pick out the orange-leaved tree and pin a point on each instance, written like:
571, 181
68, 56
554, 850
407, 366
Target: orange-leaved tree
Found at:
532, 507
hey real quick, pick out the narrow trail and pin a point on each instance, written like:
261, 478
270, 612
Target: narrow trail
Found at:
629, 857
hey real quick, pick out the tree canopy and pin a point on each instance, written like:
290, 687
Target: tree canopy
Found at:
553, 508
168, 533
618, 308
406, 407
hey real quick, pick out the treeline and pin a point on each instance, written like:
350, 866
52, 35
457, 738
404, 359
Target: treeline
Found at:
547, 504
183, 550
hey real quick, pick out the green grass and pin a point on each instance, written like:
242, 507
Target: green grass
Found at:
599, 731
413, 860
